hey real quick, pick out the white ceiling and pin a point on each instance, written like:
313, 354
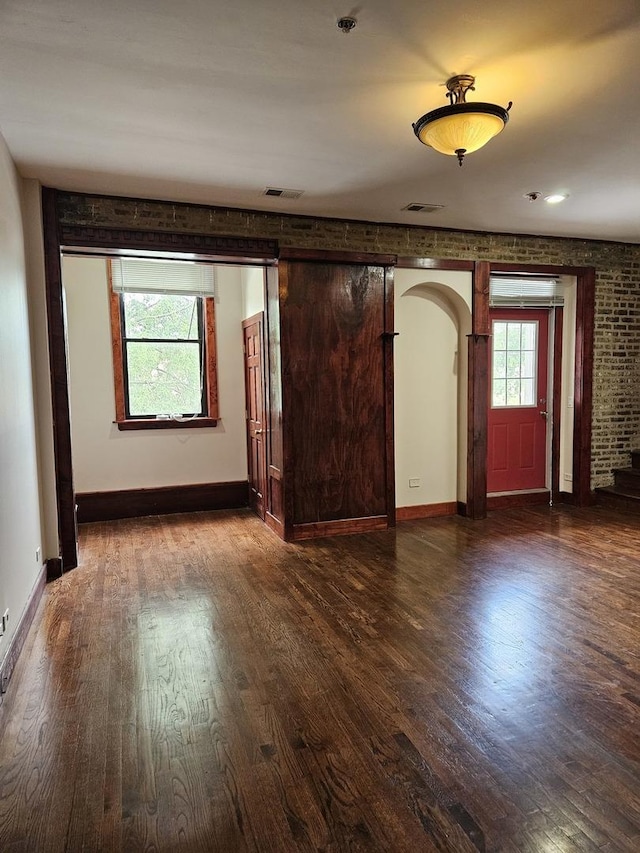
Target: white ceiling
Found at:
212, 102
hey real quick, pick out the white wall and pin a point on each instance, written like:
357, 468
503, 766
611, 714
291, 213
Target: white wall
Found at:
20, 531
433, 317
105, 458
31, 193
252, 291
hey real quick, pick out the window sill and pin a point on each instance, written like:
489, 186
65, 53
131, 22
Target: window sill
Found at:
168, 423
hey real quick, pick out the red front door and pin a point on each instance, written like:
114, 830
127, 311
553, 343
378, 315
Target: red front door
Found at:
517, 445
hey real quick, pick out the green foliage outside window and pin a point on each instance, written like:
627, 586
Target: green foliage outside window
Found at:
162, 338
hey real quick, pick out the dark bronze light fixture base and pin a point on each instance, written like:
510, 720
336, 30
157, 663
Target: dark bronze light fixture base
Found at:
458, 86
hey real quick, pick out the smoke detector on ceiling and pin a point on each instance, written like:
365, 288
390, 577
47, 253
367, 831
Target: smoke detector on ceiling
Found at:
278, 192
417, 207
346, 24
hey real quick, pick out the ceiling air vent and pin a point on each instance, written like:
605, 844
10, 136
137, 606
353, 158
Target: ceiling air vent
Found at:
278, 192
416, 207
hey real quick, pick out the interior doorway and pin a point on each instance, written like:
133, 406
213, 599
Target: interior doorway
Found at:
534, 376
110, 243
140, 362
432, 319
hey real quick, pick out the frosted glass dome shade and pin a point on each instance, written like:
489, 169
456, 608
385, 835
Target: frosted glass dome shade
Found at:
468, 132
461, 128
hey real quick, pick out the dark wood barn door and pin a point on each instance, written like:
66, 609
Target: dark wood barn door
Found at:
337, 380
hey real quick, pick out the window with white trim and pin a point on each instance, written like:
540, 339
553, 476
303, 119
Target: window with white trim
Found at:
514, 363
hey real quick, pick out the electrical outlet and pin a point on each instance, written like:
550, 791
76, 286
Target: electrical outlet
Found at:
414, 482
38, 552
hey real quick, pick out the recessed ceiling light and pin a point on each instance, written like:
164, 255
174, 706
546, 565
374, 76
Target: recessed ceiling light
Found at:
556, 198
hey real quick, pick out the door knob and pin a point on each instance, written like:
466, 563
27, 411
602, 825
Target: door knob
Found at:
258, 432
544, 414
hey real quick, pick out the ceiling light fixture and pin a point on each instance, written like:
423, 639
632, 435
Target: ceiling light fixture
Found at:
556, 198
461, 128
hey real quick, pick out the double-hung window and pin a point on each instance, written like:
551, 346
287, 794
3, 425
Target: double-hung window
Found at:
164, 352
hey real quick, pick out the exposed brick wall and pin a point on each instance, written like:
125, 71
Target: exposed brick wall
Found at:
616, 391
616, 395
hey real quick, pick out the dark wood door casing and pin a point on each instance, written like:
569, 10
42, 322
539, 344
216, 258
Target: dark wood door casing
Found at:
478, 389
583, 372
57, 339
477, 393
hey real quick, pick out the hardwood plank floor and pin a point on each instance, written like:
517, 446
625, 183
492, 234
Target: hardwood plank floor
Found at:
199, 685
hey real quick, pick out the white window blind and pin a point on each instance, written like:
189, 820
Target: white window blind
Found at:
525, 292
177, 278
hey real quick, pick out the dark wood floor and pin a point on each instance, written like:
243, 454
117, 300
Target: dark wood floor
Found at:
198, 685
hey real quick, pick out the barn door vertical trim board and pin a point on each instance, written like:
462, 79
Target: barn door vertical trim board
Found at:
389, 337
583, 386
67, 527
478, 396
